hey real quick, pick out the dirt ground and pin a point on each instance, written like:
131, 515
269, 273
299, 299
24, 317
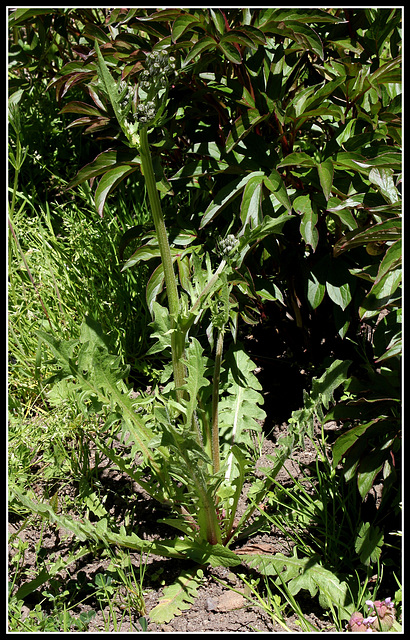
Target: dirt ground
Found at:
221, 605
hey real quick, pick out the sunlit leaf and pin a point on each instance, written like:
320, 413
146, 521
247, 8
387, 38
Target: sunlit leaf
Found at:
81, 107
108, 182
308, 230
383, 178
204, 44
251, 201
315, 291
275, 184
182, 24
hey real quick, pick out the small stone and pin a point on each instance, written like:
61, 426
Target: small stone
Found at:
210, 604
229, 601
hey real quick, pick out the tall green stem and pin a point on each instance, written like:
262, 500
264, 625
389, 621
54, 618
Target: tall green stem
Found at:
215, 402
177, 336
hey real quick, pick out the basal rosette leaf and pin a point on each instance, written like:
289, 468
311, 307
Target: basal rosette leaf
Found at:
305, 573
177, 597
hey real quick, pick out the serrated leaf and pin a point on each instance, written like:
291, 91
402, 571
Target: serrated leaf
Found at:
177, 597
239, 410
195, 363
304, 573
217, 555
98, 374
161, 328
324, 387
368, 543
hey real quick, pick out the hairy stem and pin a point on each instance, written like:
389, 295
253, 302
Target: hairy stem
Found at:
177, 336
215, 402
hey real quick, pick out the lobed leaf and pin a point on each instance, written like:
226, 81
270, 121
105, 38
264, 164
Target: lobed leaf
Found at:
305, 573
177, 597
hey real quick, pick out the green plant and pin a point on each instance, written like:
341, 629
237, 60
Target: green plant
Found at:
189, 431
297, 115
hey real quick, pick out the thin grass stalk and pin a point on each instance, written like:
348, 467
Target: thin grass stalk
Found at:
29, 273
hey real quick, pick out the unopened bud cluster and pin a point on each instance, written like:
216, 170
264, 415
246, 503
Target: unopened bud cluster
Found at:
145, 111
228, 244
159, 65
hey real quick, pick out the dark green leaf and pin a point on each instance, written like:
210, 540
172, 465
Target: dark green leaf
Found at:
182, 24
309, 233
204, 44
230, 51
251, 201
81, 107
383, 178
298, 159
339, 294
381, 293
108, 182
315, 291
242, 126
218, 20
325, 171
276, 185
368, 543
224, 197
382, 231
